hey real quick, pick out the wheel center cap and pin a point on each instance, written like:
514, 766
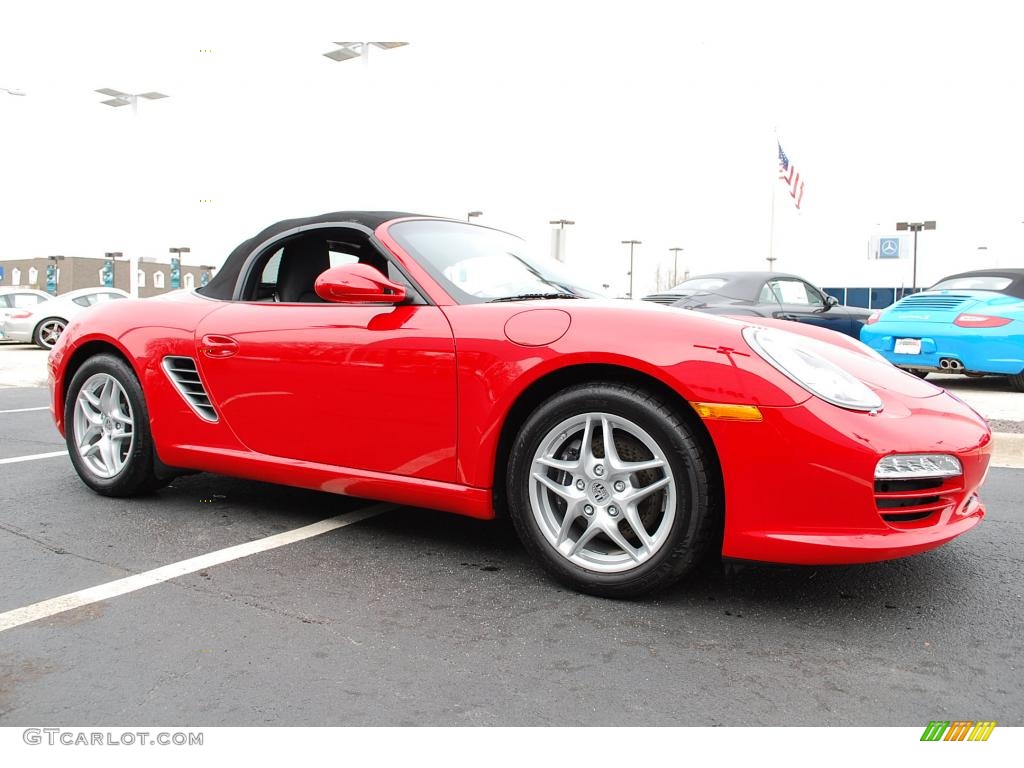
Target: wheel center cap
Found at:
108, 424
599, 491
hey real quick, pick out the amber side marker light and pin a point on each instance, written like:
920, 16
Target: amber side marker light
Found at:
727, 411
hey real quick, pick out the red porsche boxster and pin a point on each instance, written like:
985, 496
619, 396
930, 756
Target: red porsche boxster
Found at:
434, 363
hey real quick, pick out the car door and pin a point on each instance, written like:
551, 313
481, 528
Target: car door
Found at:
799, 301
369, 387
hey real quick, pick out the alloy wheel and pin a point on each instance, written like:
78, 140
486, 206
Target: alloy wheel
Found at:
602, 492
104, 428
49, 332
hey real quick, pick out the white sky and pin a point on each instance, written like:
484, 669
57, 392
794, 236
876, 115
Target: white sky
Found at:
632, 119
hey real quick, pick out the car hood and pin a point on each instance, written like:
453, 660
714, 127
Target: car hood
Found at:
666, 332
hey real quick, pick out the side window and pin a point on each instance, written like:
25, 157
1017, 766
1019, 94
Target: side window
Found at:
289, 273
190, 281
25, 300
269, 274
814, 297
84, 301
340, 257
158, 279
796, 292
7, 301
767, 295
142, 278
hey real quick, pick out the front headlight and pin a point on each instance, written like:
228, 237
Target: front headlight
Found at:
785, 352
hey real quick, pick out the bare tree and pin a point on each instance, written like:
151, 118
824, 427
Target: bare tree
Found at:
662, 278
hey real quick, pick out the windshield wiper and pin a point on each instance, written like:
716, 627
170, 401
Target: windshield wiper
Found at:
528, 296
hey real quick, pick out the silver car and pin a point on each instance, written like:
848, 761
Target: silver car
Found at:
13, 300
43, 324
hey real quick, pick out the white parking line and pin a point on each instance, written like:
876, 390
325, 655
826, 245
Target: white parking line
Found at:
33, 457
24, 410
56, 605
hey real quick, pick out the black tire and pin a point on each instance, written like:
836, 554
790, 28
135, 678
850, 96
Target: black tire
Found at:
698, 515
918, 372
1017, 381
138, 475
39, 336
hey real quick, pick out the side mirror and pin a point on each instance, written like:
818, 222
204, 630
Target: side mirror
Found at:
830, 301
357, 284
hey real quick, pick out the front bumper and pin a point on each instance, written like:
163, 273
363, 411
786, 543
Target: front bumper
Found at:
980, 350
800, 489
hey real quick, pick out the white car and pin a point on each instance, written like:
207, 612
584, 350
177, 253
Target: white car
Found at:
43, 324
14, 299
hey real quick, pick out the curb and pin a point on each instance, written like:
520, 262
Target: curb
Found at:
1008, 450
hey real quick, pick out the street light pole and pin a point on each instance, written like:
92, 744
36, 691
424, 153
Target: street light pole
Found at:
915, 227
675, 265
359, 50
122, 99
473, 214
558, 238
631, 244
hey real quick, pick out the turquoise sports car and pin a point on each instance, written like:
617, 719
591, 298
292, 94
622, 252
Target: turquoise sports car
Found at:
970, 323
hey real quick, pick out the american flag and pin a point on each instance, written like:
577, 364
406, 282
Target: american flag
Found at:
789, 174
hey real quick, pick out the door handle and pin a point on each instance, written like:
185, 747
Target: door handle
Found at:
216, 346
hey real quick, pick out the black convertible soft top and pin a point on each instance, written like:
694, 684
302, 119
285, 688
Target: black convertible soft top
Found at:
1015, 288
222, 285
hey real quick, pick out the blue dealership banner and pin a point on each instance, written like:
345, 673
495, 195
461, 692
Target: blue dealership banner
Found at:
108, 274
175, 273
51, 279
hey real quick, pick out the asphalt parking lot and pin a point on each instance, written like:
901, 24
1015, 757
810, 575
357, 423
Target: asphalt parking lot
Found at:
415, 617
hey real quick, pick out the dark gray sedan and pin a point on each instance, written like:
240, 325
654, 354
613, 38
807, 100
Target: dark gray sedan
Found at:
764, 294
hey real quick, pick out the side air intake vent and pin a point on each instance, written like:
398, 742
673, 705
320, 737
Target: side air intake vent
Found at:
183, 374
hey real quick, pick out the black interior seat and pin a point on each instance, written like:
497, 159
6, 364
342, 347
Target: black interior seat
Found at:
301, 263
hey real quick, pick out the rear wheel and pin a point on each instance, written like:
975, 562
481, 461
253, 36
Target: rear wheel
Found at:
48, 331
612, 491
921, 374
106, 427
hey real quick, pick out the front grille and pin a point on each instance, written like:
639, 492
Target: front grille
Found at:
949, 302
916, 502
184, 375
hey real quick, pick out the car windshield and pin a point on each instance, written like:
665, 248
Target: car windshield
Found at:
973, 283
475, 264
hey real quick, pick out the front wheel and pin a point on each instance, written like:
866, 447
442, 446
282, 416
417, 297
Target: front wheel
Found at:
106, 428
612, 491
48, 331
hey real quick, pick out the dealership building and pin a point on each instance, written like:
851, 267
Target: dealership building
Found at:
59, 274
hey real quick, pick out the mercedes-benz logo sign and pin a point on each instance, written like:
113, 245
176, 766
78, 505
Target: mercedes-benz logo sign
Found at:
600, 492
889, 248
